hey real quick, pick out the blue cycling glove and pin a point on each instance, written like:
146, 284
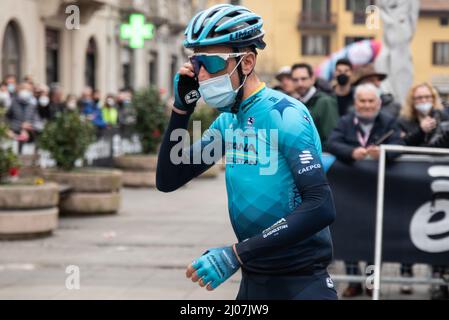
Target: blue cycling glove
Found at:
186, 93
216, 266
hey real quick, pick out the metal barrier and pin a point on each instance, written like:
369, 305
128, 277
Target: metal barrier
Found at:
380, 215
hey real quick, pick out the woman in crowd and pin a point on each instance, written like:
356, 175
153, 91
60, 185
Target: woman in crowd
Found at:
425, 123
423, 117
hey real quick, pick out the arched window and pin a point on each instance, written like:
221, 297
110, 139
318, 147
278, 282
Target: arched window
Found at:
11, 51
91, 64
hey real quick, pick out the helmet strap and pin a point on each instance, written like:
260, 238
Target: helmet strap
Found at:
238, 100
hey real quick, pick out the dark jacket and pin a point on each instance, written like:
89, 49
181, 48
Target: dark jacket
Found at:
345, 103
443, 140
324, 111
20, 112
389, 105
343, 140
49, 112
414, 136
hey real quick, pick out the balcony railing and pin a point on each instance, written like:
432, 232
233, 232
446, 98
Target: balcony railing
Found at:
317, 21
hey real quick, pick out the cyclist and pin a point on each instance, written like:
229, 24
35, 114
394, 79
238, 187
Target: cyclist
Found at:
281, 216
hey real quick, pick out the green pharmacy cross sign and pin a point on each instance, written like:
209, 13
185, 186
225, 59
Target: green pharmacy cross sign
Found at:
137, 31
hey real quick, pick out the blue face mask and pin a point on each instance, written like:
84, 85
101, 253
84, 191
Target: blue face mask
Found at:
11, 88
218, 92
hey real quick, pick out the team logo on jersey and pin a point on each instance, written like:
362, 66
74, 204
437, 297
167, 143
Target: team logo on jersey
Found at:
274, 229
306, 157
192, 96
282, 105
309, 168
251, 121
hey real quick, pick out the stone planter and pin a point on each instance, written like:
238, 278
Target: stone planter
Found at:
28, 210
92, 191
29, 166
139, 171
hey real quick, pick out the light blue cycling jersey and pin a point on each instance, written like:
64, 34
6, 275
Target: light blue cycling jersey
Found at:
272, 150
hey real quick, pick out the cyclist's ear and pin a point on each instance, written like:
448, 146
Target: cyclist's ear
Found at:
249, 63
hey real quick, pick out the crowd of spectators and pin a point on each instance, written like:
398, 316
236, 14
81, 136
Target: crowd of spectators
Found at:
29, 106
356, 116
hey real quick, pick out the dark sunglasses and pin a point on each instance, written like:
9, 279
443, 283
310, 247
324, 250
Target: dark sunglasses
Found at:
212, 62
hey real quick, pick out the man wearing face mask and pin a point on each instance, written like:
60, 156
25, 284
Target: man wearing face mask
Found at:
343, 89
43, 102
280, 218
22, 116
11, 83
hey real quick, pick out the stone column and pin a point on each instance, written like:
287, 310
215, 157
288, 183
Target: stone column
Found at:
164, 59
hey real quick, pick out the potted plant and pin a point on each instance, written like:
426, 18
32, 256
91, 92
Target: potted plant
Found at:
206, 116
139, 170
92, 190
28, 207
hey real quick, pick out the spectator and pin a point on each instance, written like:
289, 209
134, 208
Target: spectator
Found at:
5, 96
86, 102
324, 86
126, 113
96, 96
109, 111
425, 124
322, 107
11, 83
357, 134
43, 102
369, 75
71, 104
423, 120
343, 89
22, 116
446, 106
91, 109
439, 292
29, 79
56, 101
357, 138
284, 77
